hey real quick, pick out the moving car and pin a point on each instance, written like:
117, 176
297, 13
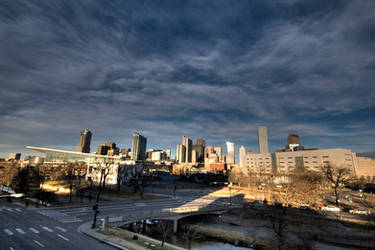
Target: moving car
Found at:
361, 211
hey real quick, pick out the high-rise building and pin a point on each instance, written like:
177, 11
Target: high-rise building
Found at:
139, 147
168, 154
200, 141
14, 156
110, 144
242, 156
193, 156
230, 152
84, 141
199, 149
186, 141
263, 140
102, 149
180, 153
293, 142
293, 139
218, 151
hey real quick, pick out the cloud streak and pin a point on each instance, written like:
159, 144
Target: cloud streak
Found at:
203, 69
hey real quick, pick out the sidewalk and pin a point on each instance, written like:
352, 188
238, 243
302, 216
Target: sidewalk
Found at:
121, 243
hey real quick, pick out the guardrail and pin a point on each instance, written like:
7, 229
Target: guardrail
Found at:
167, 212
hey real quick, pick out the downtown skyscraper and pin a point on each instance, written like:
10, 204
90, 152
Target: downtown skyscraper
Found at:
139, 147
84, 141
186, 141
263, 140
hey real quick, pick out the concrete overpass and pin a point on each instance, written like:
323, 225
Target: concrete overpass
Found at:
173, 214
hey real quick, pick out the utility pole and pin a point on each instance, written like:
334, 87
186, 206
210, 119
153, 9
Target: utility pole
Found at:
96, 206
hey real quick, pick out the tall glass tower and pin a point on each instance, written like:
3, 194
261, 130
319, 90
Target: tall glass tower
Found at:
139, 147
84, 141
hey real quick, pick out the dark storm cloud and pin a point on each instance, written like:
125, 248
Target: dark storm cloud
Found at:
215, 69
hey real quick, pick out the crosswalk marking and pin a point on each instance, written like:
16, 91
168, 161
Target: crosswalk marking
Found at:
47, 229
18, 209
33, 230
20, 231
60, 228
8, 232
37, 242
9, 209
62, 237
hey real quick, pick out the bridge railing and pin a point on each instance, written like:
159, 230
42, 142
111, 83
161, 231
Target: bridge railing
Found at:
166, 212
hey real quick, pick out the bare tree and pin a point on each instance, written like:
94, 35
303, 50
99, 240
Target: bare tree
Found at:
277, 216
165, 227
71, 173
139, 179
337, 177
122, 173
190, 235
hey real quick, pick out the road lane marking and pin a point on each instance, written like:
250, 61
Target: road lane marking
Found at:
33, 230
61, 229
37, 242
8, 232
20, 231
11, 248
47, 229
62, 237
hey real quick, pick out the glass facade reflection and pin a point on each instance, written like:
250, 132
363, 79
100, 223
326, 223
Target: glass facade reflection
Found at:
57, 157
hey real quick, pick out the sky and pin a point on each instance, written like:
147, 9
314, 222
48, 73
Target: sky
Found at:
212, 69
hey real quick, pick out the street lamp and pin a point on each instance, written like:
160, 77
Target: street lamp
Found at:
96, 206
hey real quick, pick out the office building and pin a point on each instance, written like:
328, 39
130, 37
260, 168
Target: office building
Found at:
242, 155
314, 160
263, 140
258, 163
218, 150
14, 156
139, 147
188, 147
293, 143
180, 153
366, 169
102, 149
199, 149
293, 139
193, 156
168, 154
289, 161
200, 141
230, 152
84, 142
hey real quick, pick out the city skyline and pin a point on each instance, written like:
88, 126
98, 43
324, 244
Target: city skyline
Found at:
201, 69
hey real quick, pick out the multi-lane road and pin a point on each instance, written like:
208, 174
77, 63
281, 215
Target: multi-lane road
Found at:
25, 228
56, 228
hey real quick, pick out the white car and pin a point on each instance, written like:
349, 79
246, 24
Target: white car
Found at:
360, 211
331, 209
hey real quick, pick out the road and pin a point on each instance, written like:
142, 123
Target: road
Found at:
25, 228
56, 228
81, 213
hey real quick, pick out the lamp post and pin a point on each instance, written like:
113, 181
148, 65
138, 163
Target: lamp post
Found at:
230, 193
96, 206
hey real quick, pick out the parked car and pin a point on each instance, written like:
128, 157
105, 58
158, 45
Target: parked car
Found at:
331, 209
361, 211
